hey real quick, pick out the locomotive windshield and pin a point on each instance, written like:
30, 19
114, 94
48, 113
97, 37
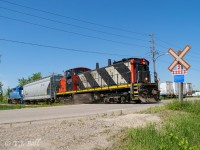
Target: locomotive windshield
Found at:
68, 74
76, 72
142, 72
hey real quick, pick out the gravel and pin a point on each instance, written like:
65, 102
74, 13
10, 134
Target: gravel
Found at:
85, 133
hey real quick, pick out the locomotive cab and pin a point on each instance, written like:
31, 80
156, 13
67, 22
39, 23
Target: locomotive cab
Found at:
70, 80
16, 95
142, 73
141, 87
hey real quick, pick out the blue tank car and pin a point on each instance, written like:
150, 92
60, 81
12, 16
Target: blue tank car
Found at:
16, 95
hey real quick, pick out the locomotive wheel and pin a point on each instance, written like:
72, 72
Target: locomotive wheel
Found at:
83, 98
137, 101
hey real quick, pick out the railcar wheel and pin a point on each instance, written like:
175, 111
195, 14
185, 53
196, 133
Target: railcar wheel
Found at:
27, 102
48, 101
9, 101
35, 102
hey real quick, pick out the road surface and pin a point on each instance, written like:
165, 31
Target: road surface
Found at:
68, 111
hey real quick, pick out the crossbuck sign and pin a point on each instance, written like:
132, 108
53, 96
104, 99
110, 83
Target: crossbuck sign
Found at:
179, 58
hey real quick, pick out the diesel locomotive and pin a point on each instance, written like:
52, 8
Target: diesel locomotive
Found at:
16, 95
120, 82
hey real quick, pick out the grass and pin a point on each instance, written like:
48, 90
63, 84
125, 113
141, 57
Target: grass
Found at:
21, 106
186, 106
180, 129
5, 106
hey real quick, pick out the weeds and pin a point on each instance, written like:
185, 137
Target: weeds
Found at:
155, 109
187, 106
180, 130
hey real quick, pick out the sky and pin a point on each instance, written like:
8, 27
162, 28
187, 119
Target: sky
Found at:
51, 36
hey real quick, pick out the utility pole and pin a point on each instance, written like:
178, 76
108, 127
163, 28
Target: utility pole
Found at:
153, 58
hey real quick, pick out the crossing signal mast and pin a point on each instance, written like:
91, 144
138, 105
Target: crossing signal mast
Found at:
179, 73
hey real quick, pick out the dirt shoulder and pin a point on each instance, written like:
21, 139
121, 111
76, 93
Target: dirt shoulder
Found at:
86, 133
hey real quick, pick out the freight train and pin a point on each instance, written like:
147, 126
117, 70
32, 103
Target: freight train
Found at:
37, 91
122, 81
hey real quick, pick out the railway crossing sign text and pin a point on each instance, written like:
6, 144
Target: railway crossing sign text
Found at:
179, 70
179, 58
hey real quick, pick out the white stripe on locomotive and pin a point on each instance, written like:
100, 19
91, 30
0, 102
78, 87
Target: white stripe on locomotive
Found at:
84, 81
100, 81
115, 75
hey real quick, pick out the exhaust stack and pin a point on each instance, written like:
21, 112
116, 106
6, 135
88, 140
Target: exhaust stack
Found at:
109, 62
97, 65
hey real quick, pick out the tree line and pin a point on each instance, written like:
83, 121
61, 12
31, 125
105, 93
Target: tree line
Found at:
34, 77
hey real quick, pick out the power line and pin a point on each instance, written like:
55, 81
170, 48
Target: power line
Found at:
167, 42
193, 56
192, 68
60, 48
56, 47
196, 53
161, 46
193, 60
75, 33
80, 20
73, 25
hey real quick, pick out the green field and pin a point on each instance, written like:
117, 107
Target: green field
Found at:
179, 129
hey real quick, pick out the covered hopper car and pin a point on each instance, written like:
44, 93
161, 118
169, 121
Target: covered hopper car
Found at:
42, 90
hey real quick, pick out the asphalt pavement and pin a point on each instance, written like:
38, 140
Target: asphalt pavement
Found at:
68, 111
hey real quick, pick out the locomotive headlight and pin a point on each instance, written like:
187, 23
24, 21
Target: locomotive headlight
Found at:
143, 62
146, 79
